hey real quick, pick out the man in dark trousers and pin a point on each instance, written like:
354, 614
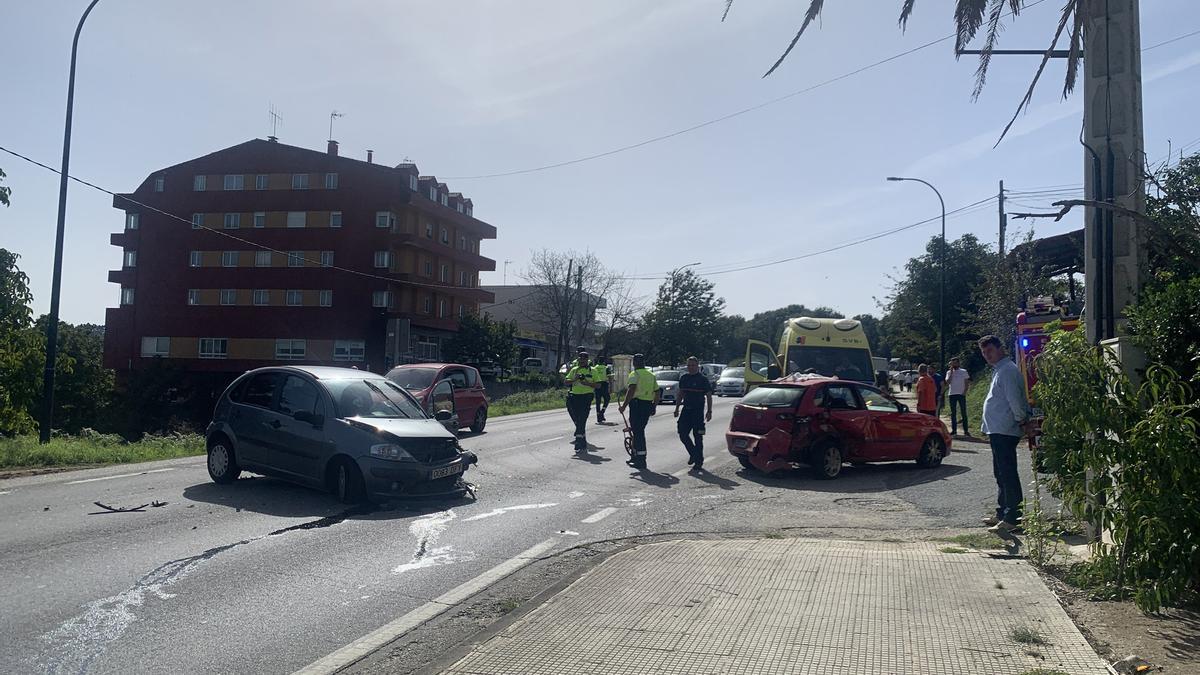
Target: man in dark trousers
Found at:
1005, 423
695, 391
639, 398
580, 378
602, 376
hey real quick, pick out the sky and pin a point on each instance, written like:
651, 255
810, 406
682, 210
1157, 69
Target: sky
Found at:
479, 87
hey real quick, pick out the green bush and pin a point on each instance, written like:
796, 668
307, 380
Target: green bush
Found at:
528, 401
90, 447
1166, 324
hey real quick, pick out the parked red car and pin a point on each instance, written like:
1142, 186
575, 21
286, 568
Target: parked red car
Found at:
435, 385
824, 422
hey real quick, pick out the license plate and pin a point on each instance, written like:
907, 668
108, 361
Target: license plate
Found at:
445, 471
741, 443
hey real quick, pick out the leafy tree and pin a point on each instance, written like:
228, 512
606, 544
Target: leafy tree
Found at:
568, 287
21, 353
969, 17
871, 327
4, 191
729, 345
83, 392
684, 320
480, 338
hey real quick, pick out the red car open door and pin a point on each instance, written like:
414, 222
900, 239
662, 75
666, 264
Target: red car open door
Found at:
848, 417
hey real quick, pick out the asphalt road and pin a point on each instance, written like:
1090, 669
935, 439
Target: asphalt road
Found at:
266, 577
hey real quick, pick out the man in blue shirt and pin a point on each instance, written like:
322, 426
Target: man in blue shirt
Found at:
694, 391
1005, 422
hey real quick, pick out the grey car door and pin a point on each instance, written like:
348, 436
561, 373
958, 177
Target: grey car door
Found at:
297, 446
442, 398
250, 417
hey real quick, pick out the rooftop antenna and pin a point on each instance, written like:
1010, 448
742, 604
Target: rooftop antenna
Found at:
333, 115
276, 122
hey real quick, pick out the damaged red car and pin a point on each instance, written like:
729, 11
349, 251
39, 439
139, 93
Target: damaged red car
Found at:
823, 423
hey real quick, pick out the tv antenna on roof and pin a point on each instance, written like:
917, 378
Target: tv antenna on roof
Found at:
276, 122
332, 116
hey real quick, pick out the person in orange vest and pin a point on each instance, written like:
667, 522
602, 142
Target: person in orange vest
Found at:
926, 392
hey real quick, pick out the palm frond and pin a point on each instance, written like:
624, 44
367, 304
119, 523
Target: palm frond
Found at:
814, 11
1075, 54
905, 12
1067, 12
989, 44
968, 17
728, 6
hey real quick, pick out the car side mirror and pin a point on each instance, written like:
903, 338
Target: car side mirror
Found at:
903, 408
312, 418
443, 415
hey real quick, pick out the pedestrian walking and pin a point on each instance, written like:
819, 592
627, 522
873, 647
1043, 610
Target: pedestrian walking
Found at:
1005, 422
695, 397
958, 381
603, 377
926, 391
935, 372
580, 377
639, 398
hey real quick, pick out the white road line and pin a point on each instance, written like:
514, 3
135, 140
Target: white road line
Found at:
5, 492
599, 515
548, 440
122, 475
384, 634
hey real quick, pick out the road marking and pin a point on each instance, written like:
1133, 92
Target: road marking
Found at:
548, 440
575, 495
122, 475
506, 509
5, 492
599, 515
390, 631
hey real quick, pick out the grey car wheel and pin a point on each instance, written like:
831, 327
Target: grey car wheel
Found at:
827, 460
932, 452
480, 420
347, 482
222, 463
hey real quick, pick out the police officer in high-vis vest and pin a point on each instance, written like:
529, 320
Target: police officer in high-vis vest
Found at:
639, 397
602, 376
581, 378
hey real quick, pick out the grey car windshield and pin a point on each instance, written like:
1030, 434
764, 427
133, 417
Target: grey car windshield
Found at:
413, 379
667, 375
374, 398
733, 372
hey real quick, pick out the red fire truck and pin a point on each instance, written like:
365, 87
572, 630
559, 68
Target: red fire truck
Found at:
1031, 339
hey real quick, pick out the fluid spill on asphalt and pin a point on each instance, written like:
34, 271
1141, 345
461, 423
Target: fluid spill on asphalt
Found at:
427, 531
505, 509
75, 644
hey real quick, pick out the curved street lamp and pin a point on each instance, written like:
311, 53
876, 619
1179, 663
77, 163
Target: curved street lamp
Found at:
56, 283
941, 269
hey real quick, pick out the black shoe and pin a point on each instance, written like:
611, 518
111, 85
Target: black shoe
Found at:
691, 460
699, 466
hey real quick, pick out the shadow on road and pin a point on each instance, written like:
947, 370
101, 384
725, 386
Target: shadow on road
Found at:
589, 457
861, 478
653, 479
713, 479
275, 497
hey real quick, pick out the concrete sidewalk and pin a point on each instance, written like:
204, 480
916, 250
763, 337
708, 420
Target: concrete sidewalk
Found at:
791, 606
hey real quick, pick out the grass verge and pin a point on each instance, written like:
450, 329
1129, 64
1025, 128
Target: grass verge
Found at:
1027, 636
975, 395
22, 452
534, 401
977, 540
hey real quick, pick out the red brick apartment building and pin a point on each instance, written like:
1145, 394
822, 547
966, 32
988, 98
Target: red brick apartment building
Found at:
273, 253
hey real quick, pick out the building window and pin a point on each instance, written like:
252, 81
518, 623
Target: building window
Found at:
261, 181
262, 297
233, 221
131, 221
326, 258
289, 350
462, 311
193, 296
444, 273
445, 236
462, 278
381, 299
159, 183
441, 309
297, 218
295, 298
433, 193
326, 298
197, 221
412, 182
335, 219
126, 296
462, 243
234, 181
349, 350
200, 183
469, 209
156, 346
383, 259
445, 201
194, 259
228, 296
459, 206
299, 181
260, 219
384, 219
214, 348
429, 304
262, 258
429, 268
130, 259
331, 181
295, 258
429, 230
229, 258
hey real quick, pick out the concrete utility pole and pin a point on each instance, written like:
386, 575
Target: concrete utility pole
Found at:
1114, 250
1003, 219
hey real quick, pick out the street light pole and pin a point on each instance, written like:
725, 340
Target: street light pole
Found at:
941, 270
56, 283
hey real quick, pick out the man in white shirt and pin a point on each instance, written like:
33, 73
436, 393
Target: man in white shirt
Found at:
958, 381
1005, 422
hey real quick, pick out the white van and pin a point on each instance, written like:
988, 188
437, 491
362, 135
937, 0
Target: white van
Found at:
532, 365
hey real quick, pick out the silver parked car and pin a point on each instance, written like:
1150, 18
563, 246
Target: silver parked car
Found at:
668, 385
352, 432
732, 382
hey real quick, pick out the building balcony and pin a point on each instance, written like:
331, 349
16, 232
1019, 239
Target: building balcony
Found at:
445, 288
424, 243
125, 238
123, 276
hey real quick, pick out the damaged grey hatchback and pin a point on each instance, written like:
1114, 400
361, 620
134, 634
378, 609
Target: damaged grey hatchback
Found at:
351, 432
